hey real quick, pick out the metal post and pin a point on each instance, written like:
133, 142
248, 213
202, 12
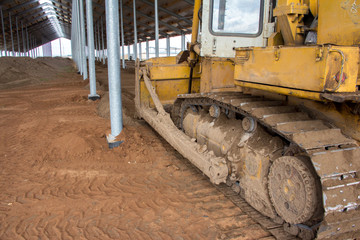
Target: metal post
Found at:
78, 38
102, 40
23, 38
140, 51
95, 42
31, 45
35, 49
60, 47
27, 42
75, 34
17, 35
182, 41
168, 45
113, 43
156, 29
147, 49
135, 31
83, 41
99, 43
29, 51
128, 51
90, 27
3, 30
11, 34
73, 30
122, 36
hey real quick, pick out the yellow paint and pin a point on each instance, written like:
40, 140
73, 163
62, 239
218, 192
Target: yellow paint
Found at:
195, 28
292, 197
167, 90
167, 72
280, 90
217, 74
290, 15
298, 71
275, 39
290, 183
339, 22
169, 79
313, 4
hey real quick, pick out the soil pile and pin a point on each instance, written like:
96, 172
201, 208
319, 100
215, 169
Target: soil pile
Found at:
24, 71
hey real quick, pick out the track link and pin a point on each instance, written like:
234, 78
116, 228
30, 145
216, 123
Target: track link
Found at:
332, 154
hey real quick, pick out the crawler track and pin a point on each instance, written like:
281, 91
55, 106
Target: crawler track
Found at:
332, 154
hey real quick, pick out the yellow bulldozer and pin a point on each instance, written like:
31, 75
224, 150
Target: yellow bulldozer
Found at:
267, 100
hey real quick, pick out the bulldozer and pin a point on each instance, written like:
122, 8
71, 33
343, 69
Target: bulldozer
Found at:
266, 99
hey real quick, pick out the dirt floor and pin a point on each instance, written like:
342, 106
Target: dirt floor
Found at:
59, 179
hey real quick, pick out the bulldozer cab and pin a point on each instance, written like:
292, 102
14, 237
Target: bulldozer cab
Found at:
228, 24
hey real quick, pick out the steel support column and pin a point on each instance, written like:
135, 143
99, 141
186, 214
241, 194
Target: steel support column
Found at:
90, 28
135, 31
156, 29
73, 33
95, 43
78, 38
140, 51
168, 45
27, 43
147, 49
114, 76
17, 36
23, 38
129, 51
98, 39
183, 42
122, 36
102, 40
11, 34
60, 47
3, 30
83, 40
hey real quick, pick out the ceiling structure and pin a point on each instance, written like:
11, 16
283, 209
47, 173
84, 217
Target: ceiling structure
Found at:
47, 20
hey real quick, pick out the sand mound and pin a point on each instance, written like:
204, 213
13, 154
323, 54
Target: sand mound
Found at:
103, 107
103, 110
67, 147
22, 71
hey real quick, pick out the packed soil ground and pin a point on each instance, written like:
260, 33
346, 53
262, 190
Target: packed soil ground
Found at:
59, 179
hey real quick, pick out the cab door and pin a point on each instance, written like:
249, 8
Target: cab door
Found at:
228, 24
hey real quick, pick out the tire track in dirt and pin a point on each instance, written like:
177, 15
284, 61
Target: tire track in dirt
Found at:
142, 190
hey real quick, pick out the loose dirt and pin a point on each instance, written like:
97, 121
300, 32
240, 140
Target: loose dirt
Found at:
59, 179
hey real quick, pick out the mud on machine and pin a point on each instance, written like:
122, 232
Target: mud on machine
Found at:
266, 100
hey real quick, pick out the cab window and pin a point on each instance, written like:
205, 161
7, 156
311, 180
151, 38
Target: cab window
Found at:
236, 17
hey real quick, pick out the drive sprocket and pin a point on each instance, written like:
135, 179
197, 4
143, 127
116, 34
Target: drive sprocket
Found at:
292, 189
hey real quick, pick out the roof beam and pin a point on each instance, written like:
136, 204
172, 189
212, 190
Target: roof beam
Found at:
191, 2
168, 12
21, 5
153, 19
41, 7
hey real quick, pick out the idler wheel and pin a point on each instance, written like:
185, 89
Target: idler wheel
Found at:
292, 189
